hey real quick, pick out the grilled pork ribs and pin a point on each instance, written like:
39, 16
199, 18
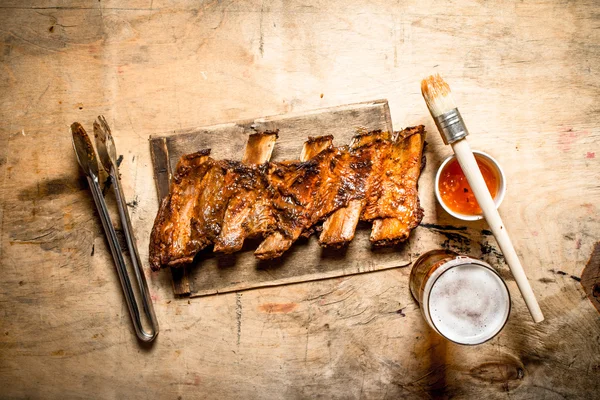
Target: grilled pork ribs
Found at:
330, 189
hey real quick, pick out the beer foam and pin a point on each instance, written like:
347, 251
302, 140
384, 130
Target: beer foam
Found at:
469, 304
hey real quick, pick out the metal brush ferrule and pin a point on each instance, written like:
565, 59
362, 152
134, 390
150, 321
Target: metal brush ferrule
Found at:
451, 126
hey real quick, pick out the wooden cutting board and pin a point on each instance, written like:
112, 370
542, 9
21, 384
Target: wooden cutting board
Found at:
306, 260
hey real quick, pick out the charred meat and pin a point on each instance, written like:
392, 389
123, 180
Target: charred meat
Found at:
222, 203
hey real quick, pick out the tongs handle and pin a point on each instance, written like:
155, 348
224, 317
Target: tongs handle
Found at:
135, 259
115, 249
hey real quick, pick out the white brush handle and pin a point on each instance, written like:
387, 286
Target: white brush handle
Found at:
467, 162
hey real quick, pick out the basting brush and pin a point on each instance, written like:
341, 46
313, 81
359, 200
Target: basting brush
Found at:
449, 122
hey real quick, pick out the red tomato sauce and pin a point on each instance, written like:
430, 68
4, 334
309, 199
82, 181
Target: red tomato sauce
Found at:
456, 192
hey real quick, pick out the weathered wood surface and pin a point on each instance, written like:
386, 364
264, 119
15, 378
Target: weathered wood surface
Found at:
306, 261
590, 278
525, 75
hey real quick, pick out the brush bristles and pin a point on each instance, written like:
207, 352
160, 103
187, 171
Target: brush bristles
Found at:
437, 95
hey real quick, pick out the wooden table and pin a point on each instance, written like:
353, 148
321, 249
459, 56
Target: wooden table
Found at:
526, 77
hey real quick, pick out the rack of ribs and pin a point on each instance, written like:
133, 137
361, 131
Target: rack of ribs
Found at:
330, 189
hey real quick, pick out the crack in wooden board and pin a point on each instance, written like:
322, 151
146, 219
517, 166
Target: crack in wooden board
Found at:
306, 260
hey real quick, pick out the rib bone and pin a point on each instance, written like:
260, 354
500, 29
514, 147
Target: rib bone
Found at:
248, 211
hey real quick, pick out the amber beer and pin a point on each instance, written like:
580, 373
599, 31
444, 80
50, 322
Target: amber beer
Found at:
462, 299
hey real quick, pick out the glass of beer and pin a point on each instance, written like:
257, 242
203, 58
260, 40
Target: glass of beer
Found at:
462, 298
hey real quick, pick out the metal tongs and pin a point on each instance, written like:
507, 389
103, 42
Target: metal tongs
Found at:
86, 156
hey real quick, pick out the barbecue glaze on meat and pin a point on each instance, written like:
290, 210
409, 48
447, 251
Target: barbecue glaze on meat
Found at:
222, 202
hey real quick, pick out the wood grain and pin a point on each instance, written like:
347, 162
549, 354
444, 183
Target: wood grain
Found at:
525, 75
590, 277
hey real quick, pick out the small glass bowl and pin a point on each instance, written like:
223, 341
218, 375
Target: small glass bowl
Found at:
488, 161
